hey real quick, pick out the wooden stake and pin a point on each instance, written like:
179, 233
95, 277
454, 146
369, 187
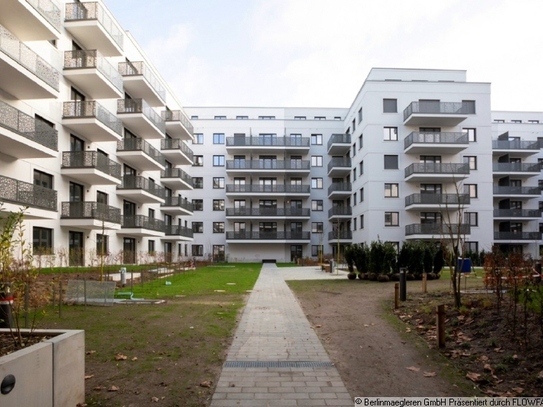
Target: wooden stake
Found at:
424, 286
440, 328
396, 295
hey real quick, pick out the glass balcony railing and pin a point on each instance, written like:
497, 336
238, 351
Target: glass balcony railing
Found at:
83, 59
272, 212
516, 167
267, 165
437, 138
339, 162
509, 190
436, 229
279, 188
517, 213
438, 108
91, 159
340, 187
262, 141
273, 235
27, 194
339, 139
142, 222
452, 200
90, 210
515, 145
534, 236
437, 168
342, 235
340, 211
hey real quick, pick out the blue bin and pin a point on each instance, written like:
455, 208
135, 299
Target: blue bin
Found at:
465, 266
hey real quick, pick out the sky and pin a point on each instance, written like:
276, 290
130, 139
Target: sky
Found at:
317, 53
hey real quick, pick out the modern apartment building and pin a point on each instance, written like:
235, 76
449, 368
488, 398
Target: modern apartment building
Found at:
105, 158
93, 142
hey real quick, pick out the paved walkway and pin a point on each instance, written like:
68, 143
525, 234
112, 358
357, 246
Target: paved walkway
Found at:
276, 359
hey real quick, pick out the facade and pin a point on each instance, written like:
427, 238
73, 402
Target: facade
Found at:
94, 144
105, 159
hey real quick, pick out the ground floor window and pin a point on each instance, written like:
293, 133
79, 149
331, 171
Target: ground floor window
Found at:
218, 252
42, 240
197, 250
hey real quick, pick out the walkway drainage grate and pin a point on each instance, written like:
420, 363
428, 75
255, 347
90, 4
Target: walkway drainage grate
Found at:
246, 364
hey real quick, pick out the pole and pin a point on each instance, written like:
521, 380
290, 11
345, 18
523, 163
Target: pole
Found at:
396, 295
441, 326
424, 286
403, 284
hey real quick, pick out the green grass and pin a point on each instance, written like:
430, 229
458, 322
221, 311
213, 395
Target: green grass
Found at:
107, 268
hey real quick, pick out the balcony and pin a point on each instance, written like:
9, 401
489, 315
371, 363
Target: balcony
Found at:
340, 189
436, 201
271, 190
435, 143
140, 225
514, 192
90, 215
176, 179
25, 74
140, 154
435, 230
31, 20
268, 237
93, 74
177, 206
344, 236
22, 136
15, 194
268, 166
518, 170
140, 189
267, 143
178, 124
286, 213
339, 166
141, 82
522, 214
175, 232
137, 115
439, 114
517, 236
340, 212
438, 172
339, 144
176, 151
90, 168
92, 121
94, 28
516, 147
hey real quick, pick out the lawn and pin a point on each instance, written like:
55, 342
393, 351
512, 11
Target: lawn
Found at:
169, 353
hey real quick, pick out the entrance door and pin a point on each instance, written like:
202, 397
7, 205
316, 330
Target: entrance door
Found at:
296, 252
129, 250
75, 248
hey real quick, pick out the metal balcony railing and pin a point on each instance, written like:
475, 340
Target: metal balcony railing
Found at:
178, 116
517, 213
339, 139
90, 210
139, 182
535, 236
339, 162
450, 200
24, 56
516, 167
437, 168
340, 211
340, 187
138, 144
141, 106
267, 165
279, 188
142, 222
91, 159
245, 235
453, 138
48, 9
176, 173
83, 59
272, 212
91, 108
438, 108
176, 144
515, 145
175, 201
262, 141
27, 126
27, 194
437, 229
140, 68
343, 235
92, 10
508, 190
175, 230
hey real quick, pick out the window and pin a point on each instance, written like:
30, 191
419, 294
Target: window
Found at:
360, 141
218, 227
198, 204
151, 247
471, 247
218, 138
361, 194
392, 219
354, 149
266, 117
472, 134
499, 121
354, 125
43, 179
471, 218
316, 139
354, 223
360, 115
198, 161
198, 138
390, 133
316, 227
516, 121
242, 117
218, 182
533, 121
471, 189
391, 190
198, 227
218, 161
42, 240
361, 167
193, 117
316, 160
354, 174
361, 221
471, 160
316, 205
197, 182
320, 117
354, 198
315, 250
218, 204
299, 117
197, 250
219, 117
390, 106
391, 162
218, 252
316, 183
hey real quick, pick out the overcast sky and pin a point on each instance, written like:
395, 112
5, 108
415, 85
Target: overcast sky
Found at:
317, 53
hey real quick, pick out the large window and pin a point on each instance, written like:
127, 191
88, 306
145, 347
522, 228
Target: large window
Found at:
316, 227
197, 250
218, 182
316, 205
472, 134
471, 160
218, 252
390, 133
391, 190
471, 247
198, 139
197, 182
151, 247
218, 161
471, 190
102, 244
218, 138
218, 227
471, 218
42, 240
198, 227
316, 139
391, 162
390, 106
218, 204
43, 179
198, 161
316, 183
198, 204
316, 160
392, 219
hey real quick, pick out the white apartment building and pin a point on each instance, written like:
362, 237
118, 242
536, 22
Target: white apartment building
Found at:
93, 142
101, 152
